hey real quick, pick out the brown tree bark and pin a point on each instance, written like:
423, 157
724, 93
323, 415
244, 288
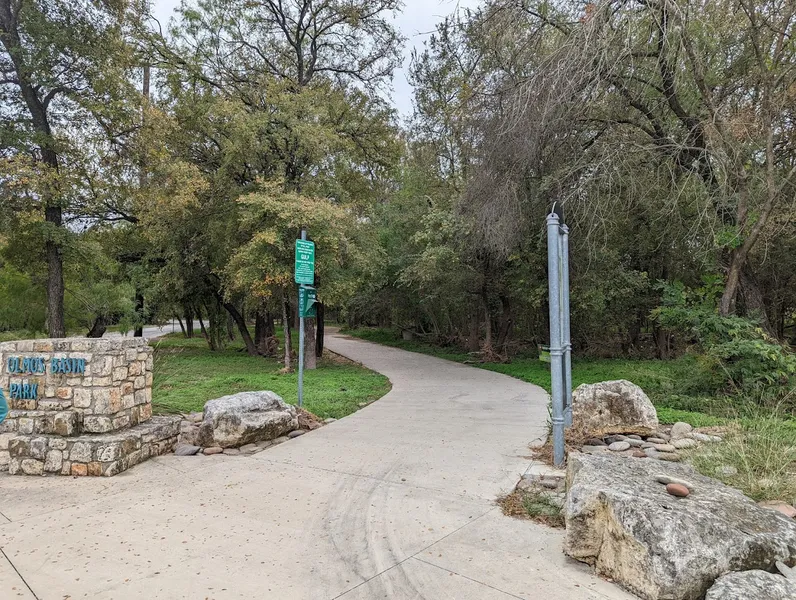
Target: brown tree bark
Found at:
97, 329
310, 360
286, 330
53, 214
320, 330
251, 349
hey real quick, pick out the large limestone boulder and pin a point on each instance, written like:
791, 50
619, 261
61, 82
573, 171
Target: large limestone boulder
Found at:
749, 585
607, 407
621, 519
244, 418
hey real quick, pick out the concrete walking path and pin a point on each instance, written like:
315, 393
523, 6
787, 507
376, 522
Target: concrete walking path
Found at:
393, 502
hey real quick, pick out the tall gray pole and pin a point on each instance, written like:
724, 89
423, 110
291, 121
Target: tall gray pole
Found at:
301, 342
556, 363
565, 333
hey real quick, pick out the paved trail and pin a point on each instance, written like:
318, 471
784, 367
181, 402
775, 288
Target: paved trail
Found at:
394, 502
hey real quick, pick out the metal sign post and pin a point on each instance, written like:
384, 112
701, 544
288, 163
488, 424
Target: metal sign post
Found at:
560, 343
556, 351
304, 275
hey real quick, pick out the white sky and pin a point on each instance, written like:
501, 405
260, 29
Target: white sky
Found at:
416, 21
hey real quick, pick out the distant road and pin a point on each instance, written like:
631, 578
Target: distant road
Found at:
155, 331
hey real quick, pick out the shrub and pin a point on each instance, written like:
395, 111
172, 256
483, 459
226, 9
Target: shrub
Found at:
735, 353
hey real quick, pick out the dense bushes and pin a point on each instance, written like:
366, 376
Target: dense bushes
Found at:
736, 355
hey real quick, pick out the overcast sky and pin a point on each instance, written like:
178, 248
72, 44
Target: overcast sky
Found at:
416, 22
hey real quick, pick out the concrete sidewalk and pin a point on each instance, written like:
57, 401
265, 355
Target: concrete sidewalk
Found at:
395, 502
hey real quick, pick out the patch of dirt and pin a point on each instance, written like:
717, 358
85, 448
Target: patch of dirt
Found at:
307, 420
337, 359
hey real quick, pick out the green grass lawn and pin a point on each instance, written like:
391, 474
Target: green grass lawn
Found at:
187, 374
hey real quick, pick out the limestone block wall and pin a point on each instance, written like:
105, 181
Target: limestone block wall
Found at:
106, 383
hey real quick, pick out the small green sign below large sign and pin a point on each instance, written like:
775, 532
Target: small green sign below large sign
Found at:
305, 262
307, 302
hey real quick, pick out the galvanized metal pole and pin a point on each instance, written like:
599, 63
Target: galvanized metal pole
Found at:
556, 363
301, 342
565, 333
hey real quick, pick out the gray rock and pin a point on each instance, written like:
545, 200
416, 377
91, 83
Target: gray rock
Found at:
622, 521
665, 448
655, 440
280, 440
726, 471
619, 447
189, 436
680, 430
329, 420
635, 443
591, 449
186, 450
669, 456
595, 442
788, 572
666, 480
633, 436
700, 437
244, 418
614, 438
264, 444
295, 434
231, 451
752, 585
212, 450
684, 443
249, 449
613, 407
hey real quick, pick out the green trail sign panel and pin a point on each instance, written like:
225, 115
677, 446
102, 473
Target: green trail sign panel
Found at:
305, 262
307, 302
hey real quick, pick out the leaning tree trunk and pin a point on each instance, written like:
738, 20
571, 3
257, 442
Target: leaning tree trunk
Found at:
182, 327
251, 348
98, 328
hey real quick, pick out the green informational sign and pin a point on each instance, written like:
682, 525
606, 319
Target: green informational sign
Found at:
305, 262
307, 302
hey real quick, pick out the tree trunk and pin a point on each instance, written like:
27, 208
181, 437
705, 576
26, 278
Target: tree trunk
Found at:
188, 321
259, 328
56, 327
473, 341
753, 303
310, 360
286, 329
231, 327
182, 327
139, 311
207, 337
97, 329
506, 324
320, 330
251, 349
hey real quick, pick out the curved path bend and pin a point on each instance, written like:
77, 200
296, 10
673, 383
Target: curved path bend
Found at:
393, 502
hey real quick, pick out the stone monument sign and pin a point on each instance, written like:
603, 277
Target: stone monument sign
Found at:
79, 406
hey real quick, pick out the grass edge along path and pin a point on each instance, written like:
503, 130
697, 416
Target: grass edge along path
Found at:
656, 378
187, 374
